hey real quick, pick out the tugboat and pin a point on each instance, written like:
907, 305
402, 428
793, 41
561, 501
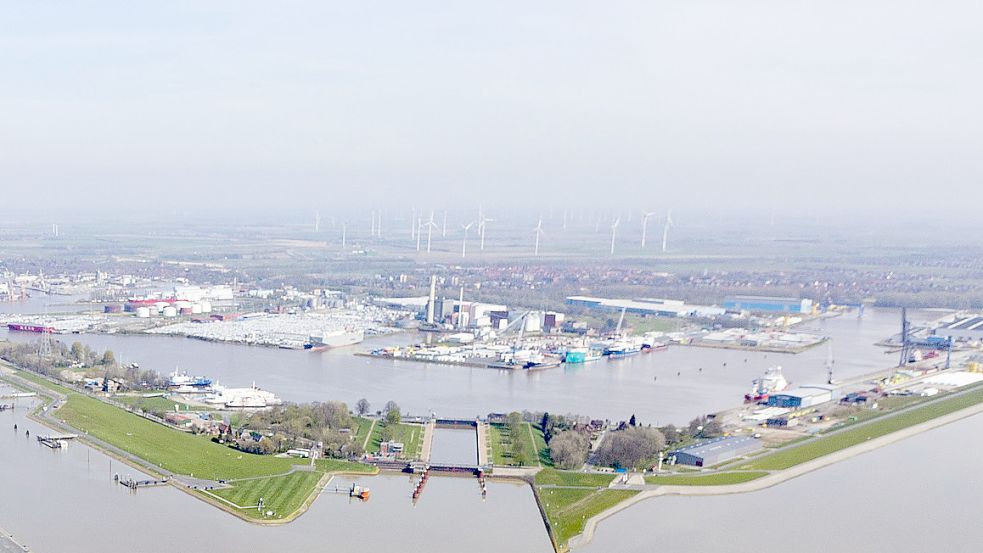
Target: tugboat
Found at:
359, 492
773, 381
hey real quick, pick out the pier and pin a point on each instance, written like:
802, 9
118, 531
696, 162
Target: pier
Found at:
56, 441
134, 484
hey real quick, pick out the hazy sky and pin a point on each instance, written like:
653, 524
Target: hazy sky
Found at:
791, 103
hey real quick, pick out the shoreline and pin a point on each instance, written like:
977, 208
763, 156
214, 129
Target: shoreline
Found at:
774, 478
48, 396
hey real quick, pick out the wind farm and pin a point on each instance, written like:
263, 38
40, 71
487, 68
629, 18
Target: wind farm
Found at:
446, 232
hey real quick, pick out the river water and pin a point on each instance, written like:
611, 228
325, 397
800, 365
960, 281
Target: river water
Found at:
65, 501
921, 494
659, 387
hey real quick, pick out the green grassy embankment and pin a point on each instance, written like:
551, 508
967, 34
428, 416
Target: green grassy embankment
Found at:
716, 479
568, 509
250, 476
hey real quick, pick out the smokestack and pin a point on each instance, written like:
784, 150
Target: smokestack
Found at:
433, 299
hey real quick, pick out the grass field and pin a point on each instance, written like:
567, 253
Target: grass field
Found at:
879, 427
569, 478
281, 494
501, 445
410, 434
165, 447
569, 509
718, 479
542, 450
187, 454
361, 429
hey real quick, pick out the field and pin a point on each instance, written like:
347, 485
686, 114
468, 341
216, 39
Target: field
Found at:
362, 428
718, 479
410, 434
569, 478
501, 440
281, 494
569, 509
251, 476
878, 427
165, 447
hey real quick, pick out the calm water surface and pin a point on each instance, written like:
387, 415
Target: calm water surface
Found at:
659, 387
64, 501
922, 494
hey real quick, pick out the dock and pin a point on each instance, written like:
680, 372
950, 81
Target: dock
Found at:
56, 441
482, 433
428, 441
134, 484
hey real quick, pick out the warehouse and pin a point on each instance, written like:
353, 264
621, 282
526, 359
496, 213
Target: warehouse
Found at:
767, 304
963, 328
715, 451
802, 397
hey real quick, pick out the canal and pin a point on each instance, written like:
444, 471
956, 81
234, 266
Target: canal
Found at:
454, 446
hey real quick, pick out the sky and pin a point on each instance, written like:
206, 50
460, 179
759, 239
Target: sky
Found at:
799, 106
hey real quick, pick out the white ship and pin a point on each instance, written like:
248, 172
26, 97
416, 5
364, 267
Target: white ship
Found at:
242, 398
334, 339
773, 381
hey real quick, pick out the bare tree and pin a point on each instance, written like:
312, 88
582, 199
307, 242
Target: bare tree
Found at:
569, 448
631, 448
362, 406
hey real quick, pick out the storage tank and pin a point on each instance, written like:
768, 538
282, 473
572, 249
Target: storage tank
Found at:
206, 307
161, 305
143, 312
196, 308
170, 311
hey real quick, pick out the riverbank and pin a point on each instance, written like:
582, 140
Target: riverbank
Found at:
191, 463
775, 478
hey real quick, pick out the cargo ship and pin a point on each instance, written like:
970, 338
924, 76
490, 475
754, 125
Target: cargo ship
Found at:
622, 348
178, 380
30, 328
335, 339
761, 388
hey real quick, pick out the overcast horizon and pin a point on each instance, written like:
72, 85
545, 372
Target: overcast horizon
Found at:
763, 105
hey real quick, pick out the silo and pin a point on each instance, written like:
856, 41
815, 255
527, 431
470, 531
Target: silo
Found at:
143, 312
170, 311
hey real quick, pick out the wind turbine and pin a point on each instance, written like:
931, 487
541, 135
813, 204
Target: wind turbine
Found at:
443, 233
344, 236
645, 226
419, 233
464, 243
665, 231
481, 227
317, 222
539, 232
614, 232
430, 226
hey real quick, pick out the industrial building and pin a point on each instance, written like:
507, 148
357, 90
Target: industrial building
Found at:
963, 328
646, 306
714, 451
767, 304
802, 397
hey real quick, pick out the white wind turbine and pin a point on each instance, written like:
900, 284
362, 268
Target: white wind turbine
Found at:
481, 227
614, 232
645, 226
464, 243
539, 232
430, 226
665, 231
